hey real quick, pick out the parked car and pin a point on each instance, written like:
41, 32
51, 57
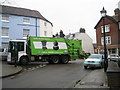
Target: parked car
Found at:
113, 57
3, 53
119, 62
94, 60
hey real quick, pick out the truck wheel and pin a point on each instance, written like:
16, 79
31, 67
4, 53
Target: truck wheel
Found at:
24, 61
55, 59
65, 59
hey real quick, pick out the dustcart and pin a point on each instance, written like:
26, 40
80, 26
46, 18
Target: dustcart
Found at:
47, 49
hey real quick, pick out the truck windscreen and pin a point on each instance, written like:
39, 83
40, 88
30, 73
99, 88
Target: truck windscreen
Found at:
16, 46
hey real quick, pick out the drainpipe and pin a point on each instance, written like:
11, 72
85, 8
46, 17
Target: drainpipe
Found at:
36, 27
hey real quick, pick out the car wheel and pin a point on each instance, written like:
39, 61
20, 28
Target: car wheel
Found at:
119, 63
85, 67
102, 65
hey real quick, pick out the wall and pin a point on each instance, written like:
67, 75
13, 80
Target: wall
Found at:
0, 29
45, 28
113, 32
16, 27
87, 42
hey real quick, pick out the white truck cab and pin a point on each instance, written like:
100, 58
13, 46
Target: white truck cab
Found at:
16, 45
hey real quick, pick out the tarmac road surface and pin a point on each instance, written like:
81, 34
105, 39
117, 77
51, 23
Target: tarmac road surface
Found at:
50, 76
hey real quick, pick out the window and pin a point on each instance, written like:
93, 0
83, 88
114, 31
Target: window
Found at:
26, 20
107, 28
5, 18
45, 33
108, 40
5, 32
119, 25
25, 32
20, 46
45, 24
4, 44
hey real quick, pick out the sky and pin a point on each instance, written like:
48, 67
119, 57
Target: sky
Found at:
70, 15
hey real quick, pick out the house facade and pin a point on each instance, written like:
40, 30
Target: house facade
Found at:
87, 42
17, 23
112, 30
45, 29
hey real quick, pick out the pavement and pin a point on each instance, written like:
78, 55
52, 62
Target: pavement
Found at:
95, 79
7, 70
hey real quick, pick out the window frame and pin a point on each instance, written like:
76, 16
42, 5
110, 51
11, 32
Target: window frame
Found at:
4, 18
119, 25
45, 33
108, 40
26, 21
24, 33
45, 24
7, 33
107, 28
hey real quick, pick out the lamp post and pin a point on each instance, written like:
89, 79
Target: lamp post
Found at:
103, 13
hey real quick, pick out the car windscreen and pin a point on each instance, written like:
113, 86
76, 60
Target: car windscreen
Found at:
19, 46
113, 55
95, 56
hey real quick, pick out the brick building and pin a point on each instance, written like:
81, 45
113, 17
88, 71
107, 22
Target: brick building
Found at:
112, 29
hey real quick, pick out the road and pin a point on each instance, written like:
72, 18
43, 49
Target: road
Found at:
50, 76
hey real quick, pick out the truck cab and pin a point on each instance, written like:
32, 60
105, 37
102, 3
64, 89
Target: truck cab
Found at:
16, 49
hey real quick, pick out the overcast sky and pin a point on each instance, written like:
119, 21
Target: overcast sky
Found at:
71, 15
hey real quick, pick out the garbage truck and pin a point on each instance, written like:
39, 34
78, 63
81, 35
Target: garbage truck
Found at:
47, 49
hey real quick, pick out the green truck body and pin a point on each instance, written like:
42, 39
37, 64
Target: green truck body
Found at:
72, 48
52, 49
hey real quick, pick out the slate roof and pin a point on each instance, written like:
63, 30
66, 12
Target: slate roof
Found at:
22, 12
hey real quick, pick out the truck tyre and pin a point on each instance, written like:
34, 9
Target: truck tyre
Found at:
65, 59
23, 60
55, 59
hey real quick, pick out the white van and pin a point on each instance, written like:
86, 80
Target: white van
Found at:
3, 53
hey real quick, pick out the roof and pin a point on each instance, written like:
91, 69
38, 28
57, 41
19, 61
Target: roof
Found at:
74, 35
22, 12
112, 18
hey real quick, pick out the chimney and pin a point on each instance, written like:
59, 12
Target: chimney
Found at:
82, 30
117, 11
